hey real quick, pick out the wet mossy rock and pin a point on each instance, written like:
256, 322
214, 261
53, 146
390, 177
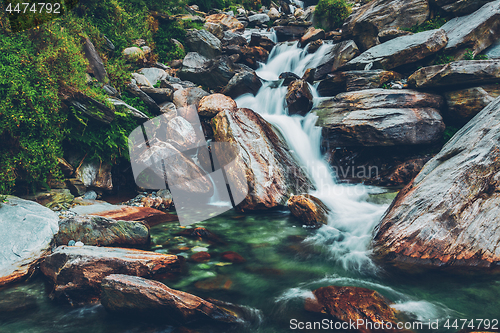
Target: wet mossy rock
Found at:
453, 224
308, 209
350, 304
101, 231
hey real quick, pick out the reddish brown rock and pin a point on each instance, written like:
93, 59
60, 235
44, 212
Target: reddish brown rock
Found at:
77, 272
210, 105
219, 282
262, 41
308, 209
253, 55
452, 223
353, 304
264, 174
187, 100
312, 34
233, 257
229, 22
464, 104
128, 213
135, 295
200, 256
298, 98
201, 233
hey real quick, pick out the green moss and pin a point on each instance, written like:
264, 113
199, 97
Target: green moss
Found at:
331, 14
442, 58
430, 24
449, 132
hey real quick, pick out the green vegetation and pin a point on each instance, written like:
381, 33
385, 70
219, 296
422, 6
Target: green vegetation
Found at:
469, 55
430, 24
442, 58
331, 14
449, 132
206, 5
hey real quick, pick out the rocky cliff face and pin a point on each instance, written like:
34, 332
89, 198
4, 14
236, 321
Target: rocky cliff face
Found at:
447, 217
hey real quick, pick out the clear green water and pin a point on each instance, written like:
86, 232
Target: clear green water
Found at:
280, 269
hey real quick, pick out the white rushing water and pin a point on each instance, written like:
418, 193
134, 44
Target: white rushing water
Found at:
352, 219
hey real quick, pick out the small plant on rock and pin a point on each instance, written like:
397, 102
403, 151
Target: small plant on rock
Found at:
331, 14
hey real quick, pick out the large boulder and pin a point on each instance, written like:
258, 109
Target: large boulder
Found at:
400, 51
182, 172
245, 82
187, 100
338, 82
298, 98
354, 305
96, 64
258, 19
475, 32
27, 232
262, 41
213, 73
308, 209
210, 106
77, 271
253, 56
381, 117
181, 134
289, 32
134, 295
101, 231
95, 174
203, 42
337, 55
447, 217
460, 7
465, 72
311, 35
263, 163
229, 22
464, 104
148, 215
365, 24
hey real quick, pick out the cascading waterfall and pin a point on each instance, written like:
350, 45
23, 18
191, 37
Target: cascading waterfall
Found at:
347, 235
352, 219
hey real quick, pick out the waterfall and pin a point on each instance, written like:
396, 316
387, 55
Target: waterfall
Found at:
352, 219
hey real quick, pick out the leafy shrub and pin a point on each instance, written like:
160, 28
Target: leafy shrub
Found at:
469, 55
331, 14
442, 58
430, 24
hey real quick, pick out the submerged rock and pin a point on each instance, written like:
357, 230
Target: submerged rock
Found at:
263, 166
138, 296
101, 231
350, 304
400, 51
27, 232
77, 272
233, 257
17, 303
381, 117
308, 209
453, 223
365, 24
